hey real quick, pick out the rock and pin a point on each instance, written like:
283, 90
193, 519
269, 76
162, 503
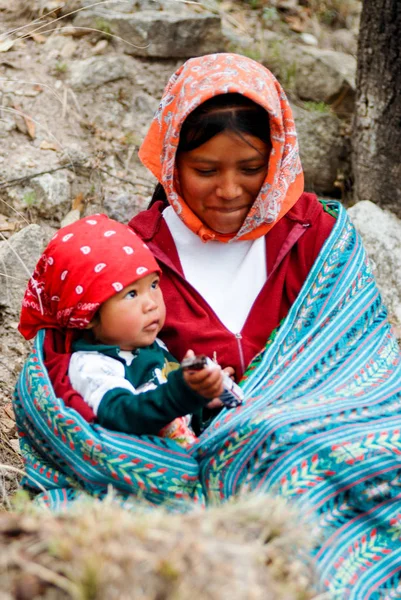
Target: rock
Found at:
321, 148
59, 46
344, 40
18, 258
71, 217
123, 206
129, 6
381, 234
52, 194
158, 33
309, 39
73, 154
145, 104
47, 195
100, 47
96, 71
7, 124
312, 73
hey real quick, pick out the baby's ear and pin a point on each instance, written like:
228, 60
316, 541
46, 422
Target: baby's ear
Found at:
95, 321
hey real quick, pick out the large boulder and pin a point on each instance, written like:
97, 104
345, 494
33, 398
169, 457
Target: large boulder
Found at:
175, 32
381, 234
312, 73
321, 148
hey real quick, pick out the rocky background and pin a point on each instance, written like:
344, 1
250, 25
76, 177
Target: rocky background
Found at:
79, 83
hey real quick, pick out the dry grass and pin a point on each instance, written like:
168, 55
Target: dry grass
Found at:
253, 549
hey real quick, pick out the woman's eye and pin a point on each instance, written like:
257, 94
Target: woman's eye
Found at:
205, 172
253, 170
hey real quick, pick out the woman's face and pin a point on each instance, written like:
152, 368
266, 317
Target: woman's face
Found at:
221, 179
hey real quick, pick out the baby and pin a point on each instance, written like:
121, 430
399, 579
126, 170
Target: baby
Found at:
98, 283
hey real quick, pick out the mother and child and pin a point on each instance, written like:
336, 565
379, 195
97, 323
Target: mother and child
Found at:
260, 276
229, 225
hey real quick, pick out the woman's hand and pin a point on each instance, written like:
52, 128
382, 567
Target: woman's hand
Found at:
230, 371
216, 402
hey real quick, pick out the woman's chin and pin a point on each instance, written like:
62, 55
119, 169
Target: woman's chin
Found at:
225, 226
225, 222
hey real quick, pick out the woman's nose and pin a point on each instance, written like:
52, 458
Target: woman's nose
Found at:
228, 188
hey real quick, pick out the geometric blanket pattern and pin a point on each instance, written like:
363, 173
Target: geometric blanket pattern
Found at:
321, 426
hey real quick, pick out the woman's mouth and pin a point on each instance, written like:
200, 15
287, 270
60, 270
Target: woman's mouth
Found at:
228, 210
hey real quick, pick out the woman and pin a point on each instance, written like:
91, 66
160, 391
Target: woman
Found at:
238, 236
246, 254
251, 263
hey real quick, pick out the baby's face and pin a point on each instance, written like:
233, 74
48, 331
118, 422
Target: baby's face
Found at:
133, 317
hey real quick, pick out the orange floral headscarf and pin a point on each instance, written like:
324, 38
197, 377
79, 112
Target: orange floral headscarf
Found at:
196, 81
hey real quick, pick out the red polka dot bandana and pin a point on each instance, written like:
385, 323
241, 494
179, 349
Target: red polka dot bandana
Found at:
84, 265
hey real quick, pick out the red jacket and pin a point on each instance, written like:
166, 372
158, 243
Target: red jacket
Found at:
291, 249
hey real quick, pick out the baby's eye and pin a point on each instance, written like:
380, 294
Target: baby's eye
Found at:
155, 284
131, 294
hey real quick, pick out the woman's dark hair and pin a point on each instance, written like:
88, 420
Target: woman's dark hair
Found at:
225, 112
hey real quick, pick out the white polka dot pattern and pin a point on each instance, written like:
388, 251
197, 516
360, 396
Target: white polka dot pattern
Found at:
85, 264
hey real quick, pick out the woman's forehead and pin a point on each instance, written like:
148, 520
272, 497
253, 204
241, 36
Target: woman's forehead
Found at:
229, 146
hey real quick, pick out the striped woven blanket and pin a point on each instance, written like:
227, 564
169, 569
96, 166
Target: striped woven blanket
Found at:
321, 426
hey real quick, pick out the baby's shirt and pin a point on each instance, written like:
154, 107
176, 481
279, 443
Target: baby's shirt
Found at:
137, 392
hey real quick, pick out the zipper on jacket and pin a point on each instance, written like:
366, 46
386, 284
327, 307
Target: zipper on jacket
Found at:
240, 351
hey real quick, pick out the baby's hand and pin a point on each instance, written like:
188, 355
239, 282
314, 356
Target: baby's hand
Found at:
207, 382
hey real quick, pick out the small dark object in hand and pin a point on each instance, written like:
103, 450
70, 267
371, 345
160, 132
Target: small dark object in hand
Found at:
194, 363
232, 395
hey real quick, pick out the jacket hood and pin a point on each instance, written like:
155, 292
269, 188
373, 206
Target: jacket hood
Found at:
198, 80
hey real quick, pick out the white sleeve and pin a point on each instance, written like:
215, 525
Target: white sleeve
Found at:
93, 374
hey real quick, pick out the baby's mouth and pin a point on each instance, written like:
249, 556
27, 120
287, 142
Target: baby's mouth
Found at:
152, 326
